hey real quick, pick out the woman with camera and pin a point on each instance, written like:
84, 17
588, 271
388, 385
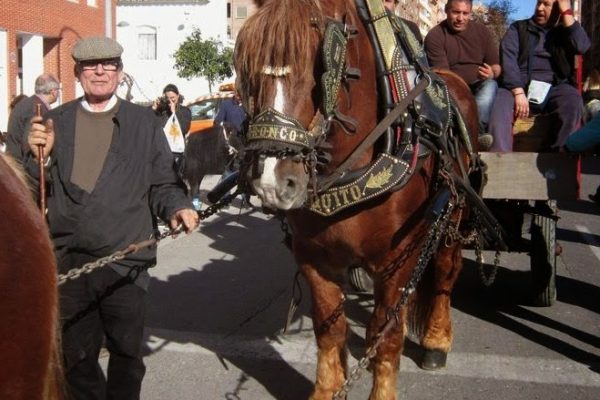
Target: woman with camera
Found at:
175, 119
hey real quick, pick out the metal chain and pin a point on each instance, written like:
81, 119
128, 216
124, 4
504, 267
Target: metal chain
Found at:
135, 247
116, 256
487, 278
435, 233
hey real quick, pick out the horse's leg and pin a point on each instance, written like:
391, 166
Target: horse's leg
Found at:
437, 334
329, 324
387, 360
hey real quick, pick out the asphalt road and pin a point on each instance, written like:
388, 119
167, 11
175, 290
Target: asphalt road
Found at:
219, 297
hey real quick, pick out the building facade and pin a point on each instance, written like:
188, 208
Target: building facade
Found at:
37, 36
425, 13
151, 31
238, 12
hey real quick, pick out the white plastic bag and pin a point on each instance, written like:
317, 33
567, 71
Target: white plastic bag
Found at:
174, 136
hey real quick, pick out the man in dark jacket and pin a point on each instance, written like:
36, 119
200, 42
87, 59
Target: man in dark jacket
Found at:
47, 90
232, 114
109, 170
537, 57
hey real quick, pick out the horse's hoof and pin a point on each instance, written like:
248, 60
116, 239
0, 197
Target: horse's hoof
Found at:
434, 360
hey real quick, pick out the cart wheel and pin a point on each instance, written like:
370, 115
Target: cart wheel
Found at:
360, 280
543, 257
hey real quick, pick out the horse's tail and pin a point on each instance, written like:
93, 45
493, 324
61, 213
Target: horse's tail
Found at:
205, 153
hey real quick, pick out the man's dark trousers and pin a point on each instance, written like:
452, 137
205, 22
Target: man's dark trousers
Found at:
94, 306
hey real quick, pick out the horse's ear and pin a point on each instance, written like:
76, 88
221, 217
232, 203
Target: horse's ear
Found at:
259, 3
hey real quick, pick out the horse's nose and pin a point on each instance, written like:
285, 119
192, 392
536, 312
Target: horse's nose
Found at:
290, 186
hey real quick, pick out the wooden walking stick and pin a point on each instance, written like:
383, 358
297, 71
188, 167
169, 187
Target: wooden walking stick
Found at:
38, 113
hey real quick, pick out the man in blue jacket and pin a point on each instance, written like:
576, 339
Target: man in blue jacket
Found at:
537, 58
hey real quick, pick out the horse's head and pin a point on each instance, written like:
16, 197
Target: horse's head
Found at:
291, 60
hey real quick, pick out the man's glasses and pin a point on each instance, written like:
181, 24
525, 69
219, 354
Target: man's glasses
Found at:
107, 65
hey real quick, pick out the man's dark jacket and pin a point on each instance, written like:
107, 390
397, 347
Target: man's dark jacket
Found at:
137, 181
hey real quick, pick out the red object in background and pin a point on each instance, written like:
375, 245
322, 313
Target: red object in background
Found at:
579, 72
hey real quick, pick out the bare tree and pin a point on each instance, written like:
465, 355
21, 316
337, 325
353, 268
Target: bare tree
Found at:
495, 16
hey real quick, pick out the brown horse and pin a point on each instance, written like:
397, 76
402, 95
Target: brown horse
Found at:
31, 363
278, 59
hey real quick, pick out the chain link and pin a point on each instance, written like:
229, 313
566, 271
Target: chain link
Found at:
134, 248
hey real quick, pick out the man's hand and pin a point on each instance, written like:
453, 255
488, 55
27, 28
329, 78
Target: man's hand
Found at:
41, 135
521, 103
485, 71
188, 217
563, 5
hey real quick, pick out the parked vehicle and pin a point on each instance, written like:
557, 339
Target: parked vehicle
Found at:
205, 108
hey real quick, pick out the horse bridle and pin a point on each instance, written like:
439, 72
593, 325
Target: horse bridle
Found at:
276, 134
273, 133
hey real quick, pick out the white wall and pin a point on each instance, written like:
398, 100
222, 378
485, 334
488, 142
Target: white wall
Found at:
173, 23
33, 61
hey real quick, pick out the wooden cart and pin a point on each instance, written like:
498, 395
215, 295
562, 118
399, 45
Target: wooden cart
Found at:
523, 188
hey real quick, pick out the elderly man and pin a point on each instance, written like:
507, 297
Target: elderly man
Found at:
110, 169
467, 48
47, 90
538, 72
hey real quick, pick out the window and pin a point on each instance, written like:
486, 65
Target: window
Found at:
228, 10
241, 12
205, 109
91, 3
146, 43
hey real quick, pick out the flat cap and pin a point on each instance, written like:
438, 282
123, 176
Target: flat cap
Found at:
96, 48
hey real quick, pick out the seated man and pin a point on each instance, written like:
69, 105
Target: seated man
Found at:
467, 48
536, 53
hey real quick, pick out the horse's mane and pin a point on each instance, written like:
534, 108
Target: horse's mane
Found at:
29, 336
277, 36
281, 36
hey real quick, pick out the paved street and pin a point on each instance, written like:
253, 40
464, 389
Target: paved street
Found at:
219, 297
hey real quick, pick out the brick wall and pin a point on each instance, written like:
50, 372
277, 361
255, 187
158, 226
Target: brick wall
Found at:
61, 23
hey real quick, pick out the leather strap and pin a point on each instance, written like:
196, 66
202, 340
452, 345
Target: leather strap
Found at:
370, 140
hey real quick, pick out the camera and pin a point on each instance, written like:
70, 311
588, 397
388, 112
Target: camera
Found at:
162, 104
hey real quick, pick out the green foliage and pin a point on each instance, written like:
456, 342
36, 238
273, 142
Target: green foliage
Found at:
497, 17
208, 58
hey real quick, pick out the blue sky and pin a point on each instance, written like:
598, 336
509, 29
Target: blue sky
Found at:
524, 8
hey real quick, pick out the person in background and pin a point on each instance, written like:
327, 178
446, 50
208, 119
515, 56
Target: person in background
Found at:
468, 49
16, 100
175, 119
583, 139
47, 89
538, 74
231, 116
109, 167
591, 95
